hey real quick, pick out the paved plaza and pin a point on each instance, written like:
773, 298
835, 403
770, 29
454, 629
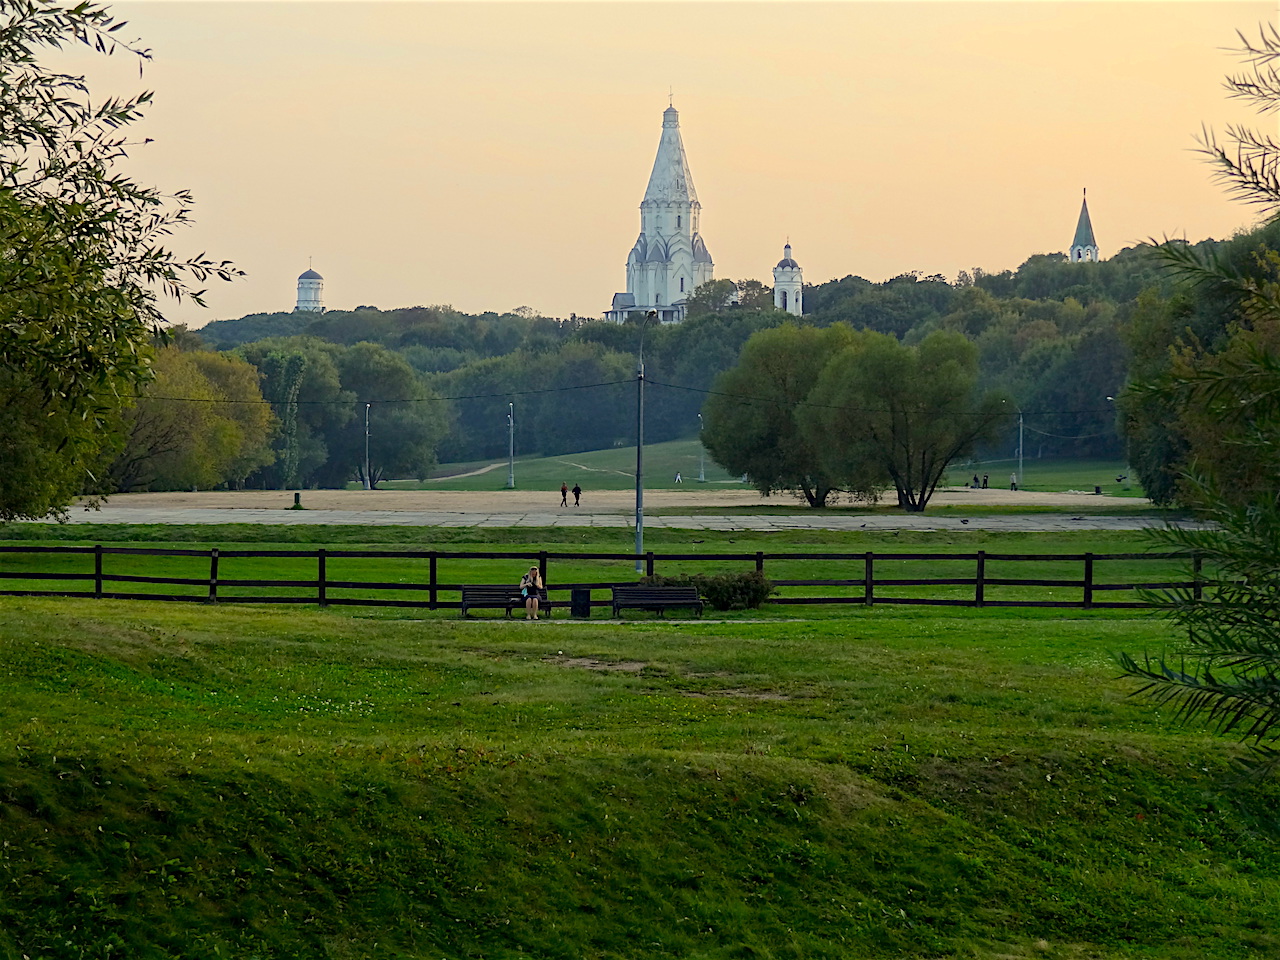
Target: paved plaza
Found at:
609, 508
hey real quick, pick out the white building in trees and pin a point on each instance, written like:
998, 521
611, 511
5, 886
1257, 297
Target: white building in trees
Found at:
788, 284
669, 259
310, 293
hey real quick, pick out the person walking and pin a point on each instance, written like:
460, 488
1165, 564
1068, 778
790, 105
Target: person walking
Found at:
577, 494
678, 478
1013, 481
985, 477
564, 494
530, 586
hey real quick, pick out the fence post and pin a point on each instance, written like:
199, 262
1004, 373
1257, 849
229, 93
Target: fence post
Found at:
648, 564
432, 581
321, 592
869, 583
542, 566
1197, 579
97, 571
979, 580
213, 574
1088, 581
759, 561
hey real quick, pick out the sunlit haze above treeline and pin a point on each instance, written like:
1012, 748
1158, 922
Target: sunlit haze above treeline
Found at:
493, 155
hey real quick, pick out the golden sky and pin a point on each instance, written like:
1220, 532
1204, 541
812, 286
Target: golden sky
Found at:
493, 155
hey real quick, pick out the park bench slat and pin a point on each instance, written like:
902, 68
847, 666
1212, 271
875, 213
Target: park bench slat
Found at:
655, 598
499, 598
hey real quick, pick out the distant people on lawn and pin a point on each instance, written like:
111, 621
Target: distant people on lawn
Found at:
530, 584
564, 494
678, 480
1013, 481
577, 494
975, 481
984, 481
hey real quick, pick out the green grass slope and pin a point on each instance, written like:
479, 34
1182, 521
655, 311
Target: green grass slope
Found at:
183, 781
615, 469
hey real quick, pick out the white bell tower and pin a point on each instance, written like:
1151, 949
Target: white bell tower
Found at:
788, 284
310, 293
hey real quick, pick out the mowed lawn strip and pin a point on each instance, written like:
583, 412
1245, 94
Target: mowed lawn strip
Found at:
184, 780
296, 577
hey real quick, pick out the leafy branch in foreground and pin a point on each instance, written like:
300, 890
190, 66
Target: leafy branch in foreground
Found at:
1228, 671
82, 258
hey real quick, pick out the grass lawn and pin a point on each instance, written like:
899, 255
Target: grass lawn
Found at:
616, 470
251, 781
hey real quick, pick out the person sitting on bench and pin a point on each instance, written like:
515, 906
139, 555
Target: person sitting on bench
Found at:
530, 584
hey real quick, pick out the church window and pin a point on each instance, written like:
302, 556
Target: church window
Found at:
682, 284
677, 221
784, 299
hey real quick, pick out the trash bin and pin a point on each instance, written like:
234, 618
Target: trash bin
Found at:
580, 604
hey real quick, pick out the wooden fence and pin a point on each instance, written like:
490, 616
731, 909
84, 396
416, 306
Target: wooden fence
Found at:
974, 587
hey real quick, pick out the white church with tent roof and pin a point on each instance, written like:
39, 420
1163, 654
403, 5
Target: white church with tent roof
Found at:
670, 259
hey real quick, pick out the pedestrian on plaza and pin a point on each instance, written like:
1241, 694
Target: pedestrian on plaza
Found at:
984, 481
1013, 481
530, 585
975, 481
564, 494
678, 480
577, 494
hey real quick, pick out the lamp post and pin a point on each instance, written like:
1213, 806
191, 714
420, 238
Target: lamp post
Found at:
1128, 467
1020, 478
511, 446
640, 442
702, 454
367, 484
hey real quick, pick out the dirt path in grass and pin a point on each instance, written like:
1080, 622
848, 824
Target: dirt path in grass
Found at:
544, 501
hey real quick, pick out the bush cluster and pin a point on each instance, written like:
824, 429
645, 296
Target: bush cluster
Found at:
723, 591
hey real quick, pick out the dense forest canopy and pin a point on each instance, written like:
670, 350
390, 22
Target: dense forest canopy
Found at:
1056, 337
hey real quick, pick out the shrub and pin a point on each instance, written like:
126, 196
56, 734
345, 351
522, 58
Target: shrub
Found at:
723, 591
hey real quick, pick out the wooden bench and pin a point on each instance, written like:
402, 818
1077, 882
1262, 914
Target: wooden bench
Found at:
655, 598
500, 598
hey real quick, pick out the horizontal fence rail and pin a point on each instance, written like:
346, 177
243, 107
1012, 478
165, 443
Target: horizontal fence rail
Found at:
413, 578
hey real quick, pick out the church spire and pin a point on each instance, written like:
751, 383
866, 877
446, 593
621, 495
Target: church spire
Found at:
1084, 247
669, 259
671, 179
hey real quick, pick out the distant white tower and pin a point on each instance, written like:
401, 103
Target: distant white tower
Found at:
310, 293
788, 284
669, 259
1084, 249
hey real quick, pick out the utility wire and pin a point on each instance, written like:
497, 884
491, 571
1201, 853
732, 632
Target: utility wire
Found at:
835, 406
471, 396
746, 398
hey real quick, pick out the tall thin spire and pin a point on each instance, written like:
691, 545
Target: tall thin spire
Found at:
671, 179
1084, 248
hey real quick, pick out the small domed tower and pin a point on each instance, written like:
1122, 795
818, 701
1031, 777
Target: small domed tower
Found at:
788, 284
1084, 249
310, 293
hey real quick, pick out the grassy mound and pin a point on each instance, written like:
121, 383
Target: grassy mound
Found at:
254, 782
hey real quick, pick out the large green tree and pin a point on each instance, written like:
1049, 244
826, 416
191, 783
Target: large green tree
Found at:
406, 420
82, 260
884, 410
752, 423
302, 382
200, 422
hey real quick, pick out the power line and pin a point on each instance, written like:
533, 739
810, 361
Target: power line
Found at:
471, 396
